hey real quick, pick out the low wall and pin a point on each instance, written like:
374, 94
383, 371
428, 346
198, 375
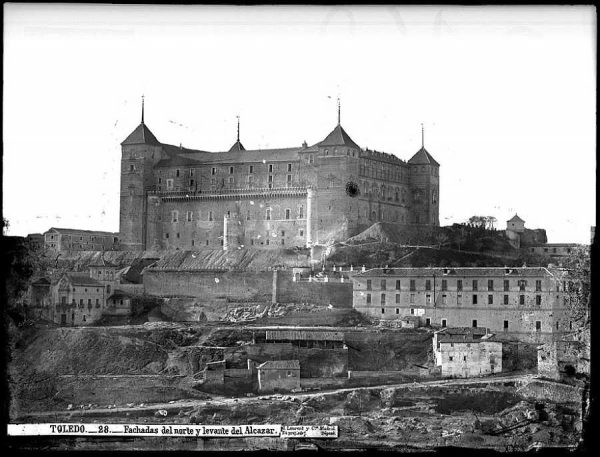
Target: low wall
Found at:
321, 293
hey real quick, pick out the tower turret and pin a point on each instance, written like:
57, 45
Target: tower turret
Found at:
424, 180
140, 151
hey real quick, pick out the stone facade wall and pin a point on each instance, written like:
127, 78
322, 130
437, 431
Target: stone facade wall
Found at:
271, 380
471, 359
204, 287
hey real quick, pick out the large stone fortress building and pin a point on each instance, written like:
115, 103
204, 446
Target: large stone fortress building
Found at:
179, 198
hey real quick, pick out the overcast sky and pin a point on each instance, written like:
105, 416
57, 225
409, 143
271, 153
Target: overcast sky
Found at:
506, 94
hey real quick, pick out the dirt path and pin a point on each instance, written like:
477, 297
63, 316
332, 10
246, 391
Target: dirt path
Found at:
182, 404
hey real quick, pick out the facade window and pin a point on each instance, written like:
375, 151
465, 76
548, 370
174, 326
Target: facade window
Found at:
268, 215
178, 235
191, 183
475, 323
270, 179
397, 284
505, 325
538, 326
459, 285
506, 285
301, 212
270, 168
169, 184
174, 216
230, 170
412, 298
382, 310
522, 284
538, 285
383, 284
368, 299
231, 180
444, 299
412, 285
383, 299
289, 168
311, 158
506, 299
397, 298
474, 284
287, 213
444, 284
521, 299
210, 215
459, 299
475, 299
428, 299
131, 168
397, 310
427, 284
191, 172
289, 179
213, 171
490, 284
538, 300
443, 322
190, 216
368, 284
166, 236
251, 169
451, 358
490, 299
177, 173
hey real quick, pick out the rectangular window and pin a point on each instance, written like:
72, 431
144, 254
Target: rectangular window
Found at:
474, 284
412, 298
270, 178
538, 285
490, 299
368, 284
191, 172
268, 214
443, 322
289, 179
459, 285
287, 213
521, 299
382, 310
289, 168
213, 171
475, 299
174, 216
428, 299
538, 326
505, 325
368, 299
210, 215
397, 284
383, 299
191, 183
444, 284
397, 298
490, 284
475, 323
230, 170
522, 284
397, 310
412, 311
270, 168
169, 184
251, 169
451, 358
427, 284
190, 216
383, 285
459, 299
506, 299
301, 212
506, 285
412, 285
538, 300
444, 299
177, 173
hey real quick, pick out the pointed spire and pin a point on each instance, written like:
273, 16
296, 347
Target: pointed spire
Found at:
238, 128
422, 136
142, 109
339, 111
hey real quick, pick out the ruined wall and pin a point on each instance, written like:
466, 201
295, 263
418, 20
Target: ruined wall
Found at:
335, 293
471, 359
284, 380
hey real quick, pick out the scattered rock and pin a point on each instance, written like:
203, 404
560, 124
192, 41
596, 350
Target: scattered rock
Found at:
161, 413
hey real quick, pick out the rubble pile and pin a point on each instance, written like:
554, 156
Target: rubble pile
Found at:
252, 313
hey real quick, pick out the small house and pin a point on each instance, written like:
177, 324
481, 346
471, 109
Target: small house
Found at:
279, 375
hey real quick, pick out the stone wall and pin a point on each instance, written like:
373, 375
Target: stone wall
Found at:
321, 293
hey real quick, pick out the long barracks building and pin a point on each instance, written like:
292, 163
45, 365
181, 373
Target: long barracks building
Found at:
526, 301
178, 198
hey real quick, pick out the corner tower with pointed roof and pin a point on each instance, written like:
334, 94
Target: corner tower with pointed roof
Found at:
140, 151
424, 179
